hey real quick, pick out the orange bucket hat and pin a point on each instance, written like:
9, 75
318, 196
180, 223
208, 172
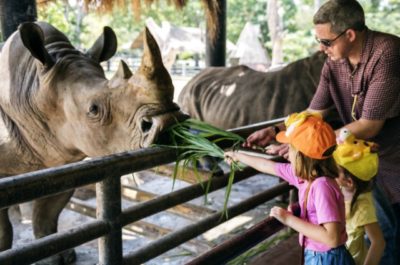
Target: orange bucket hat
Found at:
309, 134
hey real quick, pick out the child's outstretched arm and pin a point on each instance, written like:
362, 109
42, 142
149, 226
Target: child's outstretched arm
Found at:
258, 163
327, 233
377, 246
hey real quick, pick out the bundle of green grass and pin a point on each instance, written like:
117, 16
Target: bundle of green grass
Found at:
194, 140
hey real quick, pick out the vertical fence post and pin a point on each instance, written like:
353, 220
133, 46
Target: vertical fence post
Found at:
108, 196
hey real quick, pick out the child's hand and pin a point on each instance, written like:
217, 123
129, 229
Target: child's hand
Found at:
280, 214
278, 149
229, 157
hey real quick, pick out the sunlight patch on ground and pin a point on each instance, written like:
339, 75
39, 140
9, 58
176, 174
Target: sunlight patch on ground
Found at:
226, 227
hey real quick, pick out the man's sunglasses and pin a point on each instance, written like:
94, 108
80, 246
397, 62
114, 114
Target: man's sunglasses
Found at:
328, 43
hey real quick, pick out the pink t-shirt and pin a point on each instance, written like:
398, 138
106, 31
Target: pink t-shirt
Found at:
325, 203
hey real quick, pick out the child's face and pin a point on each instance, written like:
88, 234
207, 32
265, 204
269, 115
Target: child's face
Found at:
343, 181
292, 155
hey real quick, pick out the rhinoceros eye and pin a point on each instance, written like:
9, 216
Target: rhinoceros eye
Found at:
93, 110
99, 112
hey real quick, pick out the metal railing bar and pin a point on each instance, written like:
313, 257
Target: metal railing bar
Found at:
54, 243
189, 211
33, 185
180, 236
246, 130
134, 213
37, 184
59, 242
234, 247
108, 196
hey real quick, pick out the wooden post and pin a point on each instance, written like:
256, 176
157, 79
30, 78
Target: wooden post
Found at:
216, 50
13, 13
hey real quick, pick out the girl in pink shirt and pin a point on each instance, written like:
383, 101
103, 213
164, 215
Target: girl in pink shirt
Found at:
321, 225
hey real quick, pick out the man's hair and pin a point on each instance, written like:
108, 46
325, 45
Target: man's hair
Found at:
309, 168
342, 15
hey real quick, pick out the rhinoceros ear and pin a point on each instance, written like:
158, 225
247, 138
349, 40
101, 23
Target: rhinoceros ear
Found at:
123, 71
104, 47
33, 39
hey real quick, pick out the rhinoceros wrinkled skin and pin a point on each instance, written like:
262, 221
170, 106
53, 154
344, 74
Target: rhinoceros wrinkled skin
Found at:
230, 97
58, 107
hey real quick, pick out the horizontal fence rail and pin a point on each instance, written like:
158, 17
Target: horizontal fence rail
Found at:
180, 236
106, 172
228, 250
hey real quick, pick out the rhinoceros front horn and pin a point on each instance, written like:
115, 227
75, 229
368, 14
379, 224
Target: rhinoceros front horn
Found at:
151, 54
152, 68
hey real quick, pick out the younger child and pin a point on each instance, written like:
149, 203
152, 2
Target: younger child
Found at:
357, 167
312, 170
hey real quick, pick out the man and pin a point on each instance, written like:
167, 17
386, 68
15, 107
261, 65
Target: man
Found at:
361, 78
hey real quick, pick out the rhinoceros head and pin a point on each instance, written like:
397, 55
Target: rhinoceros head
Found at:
77, 111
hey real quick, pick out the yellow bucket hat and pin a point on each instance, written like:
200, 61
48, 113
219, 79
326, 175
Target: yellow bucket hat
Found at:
355, 155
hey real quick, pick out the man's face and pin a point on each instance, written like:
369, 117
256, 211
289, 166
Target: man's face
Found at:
332, 44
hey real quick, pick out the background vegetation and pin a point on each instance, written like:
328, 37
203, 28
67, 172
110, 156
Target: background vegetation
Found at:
82, 27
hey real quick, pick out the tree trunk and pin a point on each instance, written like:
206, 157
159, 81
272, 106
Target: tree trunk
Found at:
15, 12
275, 26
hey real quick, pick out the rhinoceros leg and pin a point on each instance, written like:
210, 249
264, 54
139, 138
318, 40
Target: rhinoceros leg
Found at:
6, 231
45, 218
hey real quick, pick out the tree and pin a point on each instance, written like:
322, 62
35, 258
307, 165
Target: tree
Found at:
275, 26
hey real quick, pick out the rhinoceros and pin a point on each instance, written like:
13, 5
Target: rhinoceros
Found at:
230, 97
58, 107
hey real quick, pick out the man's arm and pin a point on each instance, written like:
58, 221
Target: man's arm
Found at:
364, 129
361, 129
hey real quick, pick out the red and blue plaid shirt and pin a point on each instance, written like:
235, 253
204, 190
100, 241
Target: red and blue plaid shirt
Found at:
376, 82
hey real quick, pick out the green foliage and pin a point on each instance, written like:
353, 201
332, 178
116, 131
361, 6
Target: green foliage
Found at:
56, 14
194, 140
297, 16
299, 38
239, 12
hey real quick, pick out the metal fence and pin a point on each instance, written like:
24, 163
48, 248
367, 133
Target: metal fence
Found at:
106, 173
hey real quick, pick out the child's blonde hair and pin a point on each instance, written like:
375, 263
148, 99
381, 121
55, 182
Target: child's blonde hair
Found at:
309, 169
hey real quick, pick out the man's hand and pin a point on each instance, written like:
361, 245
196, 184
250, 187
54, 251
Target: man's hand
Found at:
261, 137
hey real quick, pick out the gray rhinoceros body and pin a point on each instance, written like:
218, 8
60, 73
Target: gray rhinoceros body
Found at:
237, 96
57, 107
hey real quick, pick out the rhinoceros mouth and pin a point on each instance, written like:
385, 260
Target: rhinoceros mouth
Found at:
154, 119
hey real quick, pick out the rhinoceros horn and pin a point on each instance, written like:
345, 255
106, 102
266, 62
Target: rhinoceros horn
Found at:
123, 71
151, 59
152, 74
33, 39
104, 47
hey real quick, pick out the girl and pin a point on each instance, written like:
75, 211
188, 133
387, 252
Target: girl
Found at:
357, 167
312, 170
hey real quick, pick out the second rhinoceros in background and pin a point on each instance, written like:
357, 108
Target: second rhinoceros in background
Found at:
230, 97
57, 107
